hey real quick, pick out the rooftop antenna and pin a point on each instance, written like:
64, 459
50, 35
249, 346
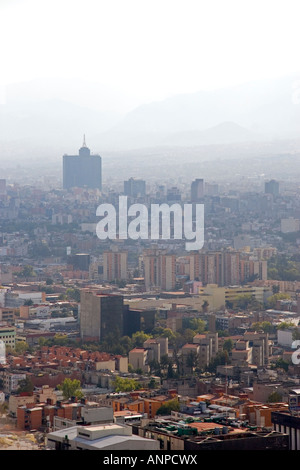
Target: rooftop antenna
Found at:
84, 144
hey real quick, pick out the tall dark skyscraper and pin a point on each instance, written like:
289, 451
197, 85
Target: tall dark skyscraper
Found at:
272, 187
83, 170
197, 190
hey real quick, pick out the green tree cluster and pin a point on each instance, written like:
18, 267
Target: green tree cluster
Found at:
70, 388
283, 268
171, 405
124, 384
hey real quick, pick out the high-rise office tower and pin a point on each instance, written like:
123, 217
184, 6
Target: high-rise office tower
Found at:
272, 187
135, 187
3, 193
100, 315
173, 195
83, 170
197, 190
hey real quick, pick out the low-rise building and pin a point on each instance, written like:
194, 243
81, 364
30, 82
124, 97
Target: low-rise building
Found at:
8, 336
111, 436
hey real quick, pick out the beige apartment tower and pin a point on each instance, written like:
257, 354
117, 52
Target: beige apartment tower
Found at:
159, 270
115, 265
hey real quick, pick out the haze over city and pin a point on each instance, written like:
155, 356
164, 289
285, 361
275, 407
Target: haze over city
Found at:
133, 75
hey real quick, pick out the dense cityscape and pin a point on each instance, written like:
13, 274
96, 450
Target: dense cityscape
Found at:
157, 347
149, 231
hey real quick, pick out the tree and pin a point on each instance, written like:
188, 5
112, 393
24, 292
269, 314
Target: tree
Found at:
274, 397
197, 325
188, 335
27, 272
25, 385
228, 345
159, 331
63, 297
247, 301
21, 347
221, 358
281, 364
171, 405
73, 294
283, 268
171, 373
265, 326
228, 304
284, 325
123, 384
121, 283
126, 344
61, 340
155, 367
296, 334
152, 383
138, 339
272, 300
275, 289
70, 388
191, 361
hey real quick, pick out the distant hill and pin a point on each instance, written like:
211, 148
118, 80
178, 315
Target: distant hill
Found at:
264, 110
43, 118
223, 133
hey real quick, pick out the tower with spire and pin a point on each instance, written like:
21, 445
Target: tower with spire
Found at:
83, 170
84, 150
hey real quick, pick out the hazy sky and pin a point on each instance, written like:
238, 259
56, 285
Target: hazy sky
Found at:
149, 49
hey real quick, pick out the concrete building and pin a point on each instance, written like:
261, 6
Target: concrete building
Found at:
217, 297
11, 381
225, 268
83, 170
80, 261
135, 187
115, 265
100, 315
289, 225
99, 437
41, 395
285, 337
261, 346
241, 355
135, 319
15, 298
197, 190
29, 418
286, 422
157, 348
159, 270
8, 336
138, 358
272, 187
208, 347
